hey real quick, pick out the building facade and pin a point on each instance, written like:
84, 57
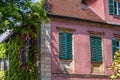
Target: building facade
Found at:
80, 40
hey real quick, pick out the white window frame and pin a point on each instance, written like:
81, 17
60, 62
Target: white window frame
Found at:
118, 47
2, 64
117, 8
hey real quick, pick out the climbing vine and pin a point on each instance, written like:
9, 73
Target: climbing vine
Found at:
3, 50
18, 71
11, 49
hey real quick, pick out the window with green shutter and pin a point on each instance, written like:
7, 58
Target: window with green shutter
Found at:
114, 7
115, 46
65, 45
96, 49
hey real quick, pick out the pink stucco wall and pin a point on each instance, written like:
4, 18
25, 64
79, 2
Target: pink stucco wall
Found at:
70, 78
100, 7
81, 43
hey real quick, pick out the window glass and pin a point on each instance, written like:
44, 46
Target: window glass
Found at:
3, 64
118, 44
22, 55
119, 12
119, 5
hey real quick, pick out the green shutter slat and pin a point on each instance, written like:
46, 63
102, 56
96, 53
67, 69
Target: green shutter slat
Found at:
114, 46
65, 45
96, 49
111, 7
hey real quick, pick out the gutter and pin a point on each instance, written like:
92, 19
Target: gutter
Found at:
78, 19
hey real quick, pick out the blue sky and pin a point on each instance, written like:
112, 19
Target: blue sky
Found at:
35, 0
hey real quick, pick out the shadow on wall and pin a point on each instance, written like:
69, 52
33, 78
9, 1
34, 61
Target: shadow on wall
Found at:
91, 1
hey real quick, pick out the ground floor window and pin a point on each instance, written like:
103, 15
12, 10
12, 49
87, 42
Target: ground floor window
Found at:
115, 46
97, 66
4, 64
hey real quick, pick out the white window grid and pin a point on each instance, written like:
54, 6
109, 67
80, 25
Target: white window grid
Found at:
118, 8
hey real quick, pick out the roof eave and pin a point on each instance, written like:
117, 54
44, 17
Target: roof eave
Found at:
78, 19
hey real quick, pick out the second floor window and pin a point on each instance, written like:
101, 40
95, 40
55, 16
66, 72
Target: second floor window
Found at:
117, 8
65, 45
114, 7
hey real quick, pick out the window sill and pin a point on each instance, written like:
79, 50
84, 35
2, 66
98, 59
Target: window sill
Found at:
96, 62
65, 58
116, 16
81, 75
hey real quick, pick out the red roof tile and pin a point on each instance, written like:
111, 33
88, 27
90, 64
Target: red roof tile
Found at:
72, 8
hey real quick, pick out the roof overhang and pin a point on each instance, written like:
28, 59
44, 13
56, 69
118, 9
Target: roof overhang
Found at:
78, 19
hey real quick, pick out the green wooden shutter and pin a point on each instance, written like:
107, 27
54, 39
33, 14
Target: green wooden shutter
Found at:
96, 49
62, 54
114, 47
65, 45
111, 7
69, 46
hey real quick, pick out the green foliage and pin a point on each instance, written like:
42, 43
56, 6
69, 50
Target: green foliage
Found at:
115, 67
16, 71
1, 75
3, 49
19, 15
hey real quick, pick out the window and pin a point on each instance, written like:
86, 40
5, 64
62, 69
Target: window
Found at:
28, 46
22, 55
65, 45
115, 46
3, 64
114, 7
97, 67
25, 51
96, 49
117, 8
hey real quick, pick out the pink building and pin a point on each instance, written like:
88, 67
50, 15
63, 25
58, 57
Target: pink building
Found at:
80, 40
